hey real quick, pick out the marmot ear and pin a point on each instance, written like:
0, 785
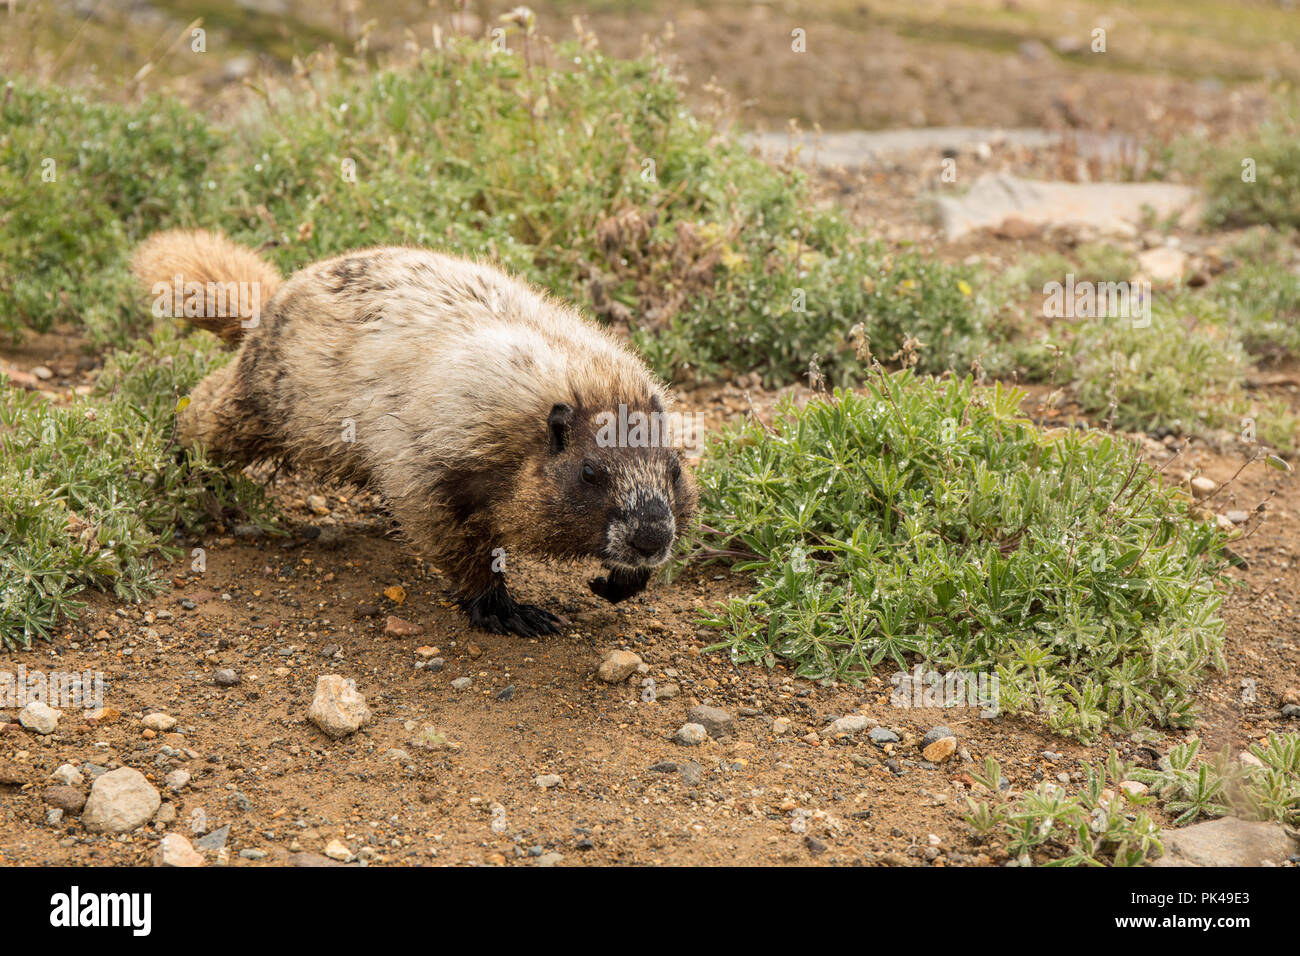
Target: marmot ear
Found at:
558, 425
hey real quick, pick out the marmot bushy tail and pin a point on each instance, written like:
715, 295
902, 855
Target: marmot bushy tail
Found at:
215, 283
491, 418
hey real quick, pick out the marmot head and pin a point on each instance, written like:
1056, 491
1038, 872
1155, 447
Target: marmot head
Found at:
614, 482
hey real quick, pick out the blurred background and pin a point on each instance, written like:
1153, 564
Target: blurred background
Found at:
1168, 64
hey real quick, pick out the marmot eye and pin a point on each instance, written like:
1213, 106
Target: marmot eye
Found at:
589, 474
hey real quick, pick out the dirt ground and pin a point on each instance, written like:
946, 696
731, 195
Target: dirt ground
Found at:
420, 784
448, 776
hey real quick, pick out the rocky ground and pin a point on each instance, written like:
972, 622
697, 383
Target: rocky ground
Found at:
622, 740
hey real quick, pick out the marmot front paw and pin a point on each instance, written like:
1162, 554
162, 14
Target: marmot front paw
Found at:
619, 585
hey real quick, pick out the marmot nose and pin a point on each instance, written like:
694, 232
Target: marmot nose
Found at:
652, 537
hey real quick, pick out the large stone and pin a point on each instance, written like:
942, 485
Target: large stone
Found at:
936, 733
853, 149
1111, 208
215, 841
338, 850
397, 627
1226, 842
68, 775
311, 860
159, 722
618, 666
39, 717
940, 750
690, 735
338, 708
120, 801
715, 720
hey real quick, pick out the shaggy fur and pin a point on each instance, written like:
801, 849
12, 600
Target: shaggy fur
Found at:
465, 397
205, 257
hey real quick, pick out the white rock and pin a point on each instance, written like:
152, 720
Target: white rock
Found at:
1113, 208
1203, 487
691, 735
120, 801
852, 724
175, 850
159, 722
338, 708
39, 717
1226, 842
177, 780
338, 850
1162, 264
548, 780
68, 775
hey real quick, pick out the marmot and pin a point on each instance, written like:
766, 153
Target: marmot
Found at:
470, 401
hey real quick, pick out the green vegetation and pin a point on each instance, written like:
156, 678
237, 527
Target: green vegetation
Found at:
593, 181
80, 184
1108, 823
930, 518
1186, 371
1262, 303
1090, 262
1095, 827
93, 491
1258, 181
1267, 788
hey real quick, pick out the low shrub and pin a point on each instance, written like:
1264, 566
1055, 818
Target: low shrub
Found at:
928, 518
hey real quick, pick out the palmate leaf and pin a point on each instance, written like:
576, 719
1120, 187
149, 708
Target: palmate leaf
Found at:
971, 538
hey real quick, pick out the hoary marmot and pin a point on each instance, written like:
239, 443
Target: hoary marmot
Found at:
476, 406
